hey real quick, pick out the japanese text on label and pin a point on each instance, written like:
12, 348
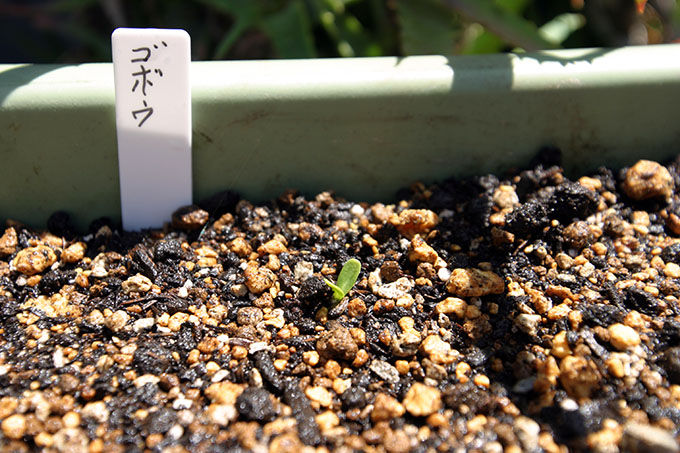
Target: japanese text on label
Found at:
142, 79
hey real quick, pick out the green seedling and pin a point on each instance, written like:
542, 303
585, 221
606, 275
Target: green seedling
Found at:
346, 280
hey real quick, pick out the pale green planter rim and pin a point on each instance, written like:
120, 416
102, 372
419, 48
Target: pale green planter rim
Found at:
361, 127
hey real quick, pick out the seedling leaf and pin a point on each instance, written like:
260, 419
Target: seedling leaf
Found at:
346, 280
348, 275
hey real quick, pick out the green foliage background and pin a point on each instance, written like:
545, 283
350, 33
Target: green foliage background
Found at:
79, 30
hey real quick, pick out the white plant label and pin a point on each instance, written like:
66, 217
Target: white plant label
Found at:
153, 123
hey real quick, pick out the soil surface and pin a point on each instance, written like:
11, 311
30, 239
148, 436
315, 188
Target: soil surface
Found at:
524, 312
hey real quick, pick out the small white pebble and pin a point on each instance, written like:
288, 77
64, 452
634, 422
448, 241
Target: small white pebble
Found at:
528, 323
569, 404
219, 376
524, 385
44, 336
175, 432
183, 292
96, 410
222, 414
181, 403
146, 379
185, 417
99, 270
257, 346
444, 274
239, 290
587, 270
143, 324
255, 379
58, 358
405, 244
303, 270
356, 210
117, 321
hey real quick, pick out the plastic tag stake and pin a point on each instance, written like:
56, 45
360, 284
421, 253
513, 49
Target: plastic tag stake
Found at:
153, 123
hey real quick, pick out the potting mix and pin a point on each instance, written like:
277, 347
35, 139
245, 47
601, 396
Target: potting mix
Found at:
521, 312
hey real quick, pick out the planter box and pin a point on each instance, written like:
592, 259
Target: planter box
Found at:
363, 127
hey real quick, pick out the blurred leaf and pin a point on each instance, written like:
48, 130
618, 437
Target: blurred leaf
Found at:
99, 46
344, 29
511, 27
675, 24
290, 31
384, 28
337, 6
478, 40
484, 41
426, 27
69, 5
513, 6
239, 9
561, 27
78, 30
235, 32
244, 13
354, 33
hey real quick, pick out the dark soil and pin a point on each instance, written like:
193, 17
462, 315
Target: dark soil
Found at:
526, 312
